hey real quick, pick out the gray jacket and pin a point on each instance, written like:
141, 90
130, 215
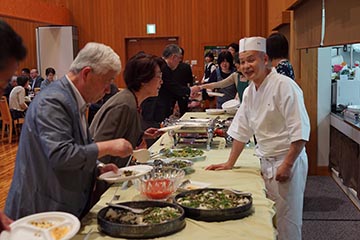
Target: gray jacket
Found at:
55, 163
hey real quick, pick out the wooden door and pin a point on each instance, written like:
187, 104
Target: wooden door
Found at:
153, 46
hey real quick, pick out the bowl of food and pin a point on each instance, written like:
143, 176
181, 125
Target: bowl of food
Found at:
160, 183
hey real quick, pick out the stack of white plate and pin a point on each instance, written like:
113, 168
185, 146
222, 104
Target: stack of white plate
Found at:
354, 108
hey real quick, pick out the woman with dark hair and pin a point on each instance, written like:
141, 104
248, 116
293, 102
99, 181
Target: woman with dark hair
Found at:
17, 103
50, 74
120, 116
233, 48
209, 66
224, 70
277, 48
235, 78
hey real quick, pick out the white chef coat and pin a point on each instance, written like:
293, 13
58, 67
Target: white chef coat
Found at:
275, 113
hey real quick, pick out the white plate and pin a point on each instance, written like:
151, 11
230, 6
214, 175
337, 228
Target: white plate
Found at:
354, 108
24, 229
214, 111
233, 103
139, 170
215, 94
168, 128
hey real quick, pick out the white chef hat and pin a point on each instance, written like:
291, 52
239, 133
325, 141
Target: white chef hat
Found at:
252, 44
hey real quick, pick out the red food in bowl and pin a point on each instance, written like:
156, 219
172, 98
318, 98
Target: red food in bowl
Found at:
158, 188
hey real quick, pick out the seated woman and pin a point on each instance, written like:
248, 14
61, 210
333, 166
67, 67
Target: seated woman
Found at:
235, 78
120, 116
17, 103
50, 74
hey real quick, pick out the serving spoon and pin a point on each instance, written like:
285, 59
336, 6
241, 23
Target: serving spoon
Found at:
134, 210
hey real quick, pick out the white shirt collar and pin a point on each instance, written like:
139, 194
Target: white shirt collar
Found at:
79, 99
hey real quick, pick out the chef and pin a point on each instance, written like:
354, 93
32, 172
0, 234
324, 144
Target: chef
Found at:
273, 109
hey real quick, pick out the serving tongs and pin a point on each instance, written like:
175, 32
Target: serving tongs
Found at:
230, 191
134, 210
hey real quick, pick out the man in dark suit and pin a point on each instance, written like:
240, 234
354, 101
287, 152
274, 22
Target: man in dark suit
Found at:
157, 109
36, 79
183, 75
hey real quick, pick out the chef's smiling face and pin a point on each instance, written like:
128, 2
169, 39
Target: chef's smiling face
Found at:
253, 65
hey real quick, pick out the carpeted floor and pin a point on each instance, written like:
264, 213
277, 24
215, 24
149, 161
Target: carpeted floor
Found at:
328, 213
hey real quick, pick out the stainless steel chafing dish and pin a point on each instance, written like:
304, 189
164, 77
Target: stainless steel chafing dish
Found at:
194, 131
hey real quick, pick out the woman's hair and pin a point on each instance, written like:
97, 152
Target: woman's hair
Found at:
225, 55
141, 69
277, 46
22, 80
210, 55
50, 70
101, 58
235, 46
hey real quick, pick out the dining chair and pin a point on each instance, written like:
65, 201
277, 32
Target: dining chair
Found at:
7, 120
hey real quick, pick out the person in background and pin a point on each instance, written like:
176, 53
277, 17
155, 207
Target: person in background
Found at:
233, 48
50, 75
120, 116
25, 72
225, 69
236, 78
12, 50
277, 48
183, 74
156, 109
36, 79
94, 107
209, 66
12, 83
58, 170
273, 109
17, 103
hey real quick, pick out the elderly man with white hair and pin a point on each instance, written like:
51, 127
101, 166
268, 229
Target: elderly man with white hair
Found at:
56, 163
273, 109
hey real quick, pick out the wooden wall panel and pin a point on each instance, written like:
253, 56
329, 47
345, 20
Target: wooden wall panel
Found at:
308, 83
196, 23
52, 12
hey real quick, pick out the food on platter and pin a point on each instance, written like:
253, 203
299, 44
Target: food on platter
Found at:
186, 152
42, 223
151, 215
59, 232
213, 199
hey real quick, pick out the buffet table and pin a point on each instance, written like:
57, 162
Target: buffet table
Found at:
245, 177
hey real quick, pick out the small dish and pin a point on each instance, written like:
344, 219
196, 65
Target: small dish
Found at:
215, 94
214, 111
122, 174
